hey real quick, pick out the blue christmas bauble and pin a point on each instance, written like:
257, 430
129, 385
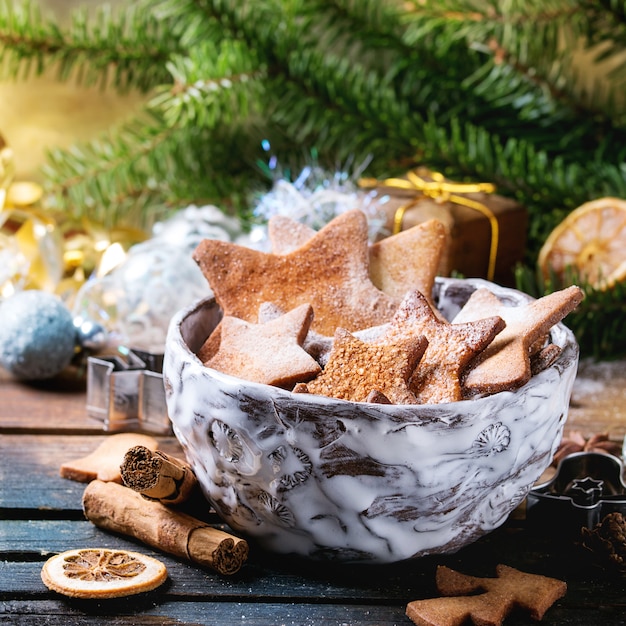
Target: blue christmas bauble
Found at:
37, 335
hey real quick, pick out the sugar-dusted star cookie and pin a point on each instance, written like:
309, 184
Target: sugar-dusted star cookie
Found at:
450, 347
330, 272
316, 344
355, 369
506, 363
286, 234
400, 263
269, 353
409, 260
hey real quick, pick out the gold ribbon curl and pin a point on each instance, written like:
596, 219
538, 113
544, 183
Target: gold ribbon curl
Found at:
441, 191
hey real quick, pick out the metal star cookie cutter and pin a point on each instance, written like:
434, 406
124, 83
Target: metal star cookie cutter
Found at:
125, 391
587, 486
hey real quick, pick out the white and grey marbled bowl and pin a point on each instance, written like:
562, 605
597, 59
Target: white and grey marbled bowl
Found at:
357, 482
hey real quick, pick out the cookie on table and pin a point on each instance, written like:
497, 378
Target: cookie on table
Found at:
103, 463
510, 589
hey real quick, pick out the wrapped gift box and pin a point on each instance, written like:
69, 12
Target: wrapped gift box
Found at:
476, 246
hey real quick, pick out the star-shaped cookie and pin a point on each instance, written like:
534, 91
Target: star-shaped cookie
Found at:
409, 260
506, 363
355, 369
399, 263
330, 272
286, 234
269, 353
450, 347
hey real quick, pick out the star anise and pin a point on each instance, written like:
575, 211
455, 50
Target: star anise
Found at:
575, 441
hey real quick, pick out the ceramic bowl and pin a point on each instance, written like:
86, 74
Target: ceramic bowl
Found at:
357, 482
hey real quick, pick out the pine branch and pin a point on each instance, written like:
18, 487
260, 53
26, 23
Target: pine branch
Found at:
212, 86
528, 67
125, 50
149, 169
357, 80
109, 177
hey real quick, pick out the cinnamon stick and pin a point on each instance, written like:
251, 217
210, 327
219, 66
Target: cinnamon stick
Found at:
157, 475
119, 509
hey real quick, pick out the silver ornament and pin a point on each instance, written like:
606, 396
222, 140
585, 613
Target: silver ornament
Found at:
37, 335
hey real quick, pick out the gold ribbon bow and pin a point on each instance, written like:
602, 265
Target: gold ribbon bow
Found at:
441, 191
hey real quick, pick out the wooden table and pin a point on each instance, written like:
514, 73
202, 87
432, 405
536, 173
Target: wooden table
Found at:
40, 514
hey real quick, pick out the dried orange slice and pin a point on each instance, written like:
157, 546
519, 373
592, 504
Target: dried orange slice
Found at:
590, 242
102, 573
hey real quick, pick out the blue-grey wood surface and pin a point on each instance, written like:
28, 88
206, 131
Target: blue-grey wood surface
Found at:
40, 514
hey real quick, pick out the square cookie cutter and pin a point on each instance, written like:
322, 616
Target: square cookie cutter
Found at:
125, 391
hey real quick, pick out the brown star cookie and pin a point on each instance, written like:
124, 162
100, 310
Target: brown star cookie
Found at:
286, 234
450, 347
317, 345
355, 369
506, 363
269, 353
409, 260
400, 263
330, 272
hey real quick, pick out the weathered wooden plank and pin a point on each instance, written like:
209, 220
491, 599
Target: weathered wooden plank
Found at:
25, 545
22, 579
144, 612
355, 585
37, 539
29, 470
59, 405
159, 609
40, 513
47, 406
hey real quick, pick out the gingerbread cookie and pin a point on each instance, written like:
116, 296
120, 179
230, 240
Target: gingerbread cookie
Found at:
330, 272
355, 369
269, 353
450, 347
510, 589
286, 234
104, 462
506, 363
409, 260
400, 263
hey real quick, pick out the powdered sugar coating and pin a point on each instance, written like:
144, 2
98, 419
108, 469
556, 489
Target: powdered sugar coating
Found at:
269, 353
355, 369
506, 363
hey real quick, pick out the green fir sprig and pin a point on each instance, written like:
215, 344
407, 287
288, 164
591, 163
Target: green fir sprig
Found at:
123, 50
